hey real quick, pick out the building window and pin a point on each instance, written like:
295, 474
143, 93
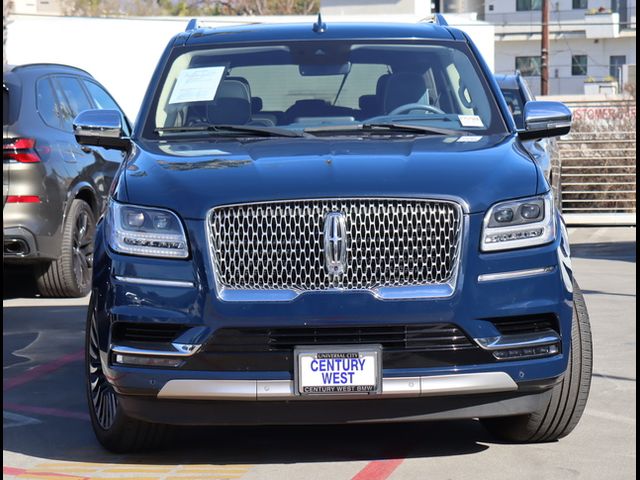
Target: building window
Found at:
578, 65
528, 66
528, 5
615, 65
580, 4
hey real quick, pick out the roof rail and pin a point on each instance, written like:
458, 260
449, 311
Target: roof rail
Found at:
192, 25
436, 18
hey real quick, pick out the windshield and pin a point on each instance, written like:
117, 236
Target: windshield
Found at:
307, 86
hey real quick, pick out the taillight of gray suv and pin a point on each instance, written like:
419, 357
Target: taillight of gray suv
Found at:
331, 224
53, 188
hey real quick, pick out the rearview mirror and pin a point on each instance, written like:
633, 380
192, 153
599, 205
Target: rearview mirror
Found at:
545, 119
322, 69
101, 128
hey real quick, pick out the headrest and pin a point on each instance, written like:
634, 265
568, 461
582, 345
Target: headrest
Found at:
382, 84
232, 104
368, 103
256, 104
404, 88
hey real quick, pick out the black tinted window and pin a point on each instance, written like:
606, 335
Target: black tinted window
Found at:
101, 98
74, 94
48, 107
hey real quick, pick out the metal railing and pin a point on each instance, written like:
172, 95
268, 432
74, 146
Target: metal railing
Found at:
598, 177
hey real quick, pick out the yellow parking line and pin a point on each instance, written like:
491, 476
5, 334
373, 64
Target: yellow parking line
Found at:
122, 478
66, 469
44, 476
206, 477
136, 470
72, 464
209, 472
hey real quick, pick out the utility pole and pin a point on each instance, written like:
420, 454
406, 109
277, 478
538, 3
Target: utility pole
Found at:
544, 52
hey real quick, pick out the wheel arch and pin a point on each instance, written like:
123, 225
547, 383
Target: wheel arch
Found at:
83, 191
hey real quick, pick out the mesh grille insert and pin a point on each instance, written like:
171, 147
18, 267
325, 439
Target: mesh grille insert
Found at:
280, 245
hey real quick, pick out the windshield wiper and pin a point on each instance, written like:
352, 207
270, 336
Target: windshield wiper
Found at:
260, 131
384, 128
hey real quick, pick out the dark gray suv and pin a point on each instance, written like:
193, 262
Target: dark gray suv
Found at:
53, 188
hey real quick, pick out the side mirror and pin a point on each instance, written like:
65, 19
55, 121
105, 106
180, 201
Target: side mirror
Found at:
545, 119
101, 128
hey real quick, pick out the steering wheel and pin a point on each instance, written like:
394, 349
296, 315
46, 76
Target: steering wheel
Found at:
415, 106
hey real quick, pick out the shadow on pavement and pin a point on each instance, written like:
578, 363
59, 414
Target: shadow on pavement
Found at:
621, 251
17, 283
55, 440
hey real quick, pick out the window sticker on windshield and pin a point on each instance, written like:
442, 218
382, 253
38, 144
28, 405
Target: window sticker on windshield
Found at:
197, 85
470, 121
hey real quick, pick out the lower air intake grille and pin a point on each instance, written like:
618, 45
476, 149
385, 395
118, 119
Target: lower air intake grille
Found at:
431, 337
526, 324
139, 332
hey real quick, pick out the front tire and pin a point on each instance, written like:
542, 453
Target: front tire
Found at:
70, 274
568, 399
114, 429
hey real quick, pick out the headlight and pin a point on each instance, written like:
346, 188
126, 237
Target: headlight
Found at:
150, 232
519, 223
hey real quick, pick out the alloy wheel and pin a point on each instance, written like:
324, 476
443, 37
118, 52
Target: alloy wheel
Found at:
103, 398
82, 250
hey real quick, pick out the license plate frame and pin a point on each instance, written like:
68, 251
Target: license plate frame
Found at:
372, 350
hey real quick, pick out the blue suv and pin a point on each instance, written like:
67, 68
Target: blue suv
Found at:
330, 223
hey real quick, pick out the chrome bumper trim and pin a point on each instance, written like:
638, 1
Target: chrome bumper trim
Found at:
491, 277
155, 282
439, 290
181, 350
523, 340
265, 390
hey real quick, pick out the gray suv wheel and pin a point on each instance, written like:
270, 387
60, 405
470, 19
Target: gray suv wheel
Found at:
70, 274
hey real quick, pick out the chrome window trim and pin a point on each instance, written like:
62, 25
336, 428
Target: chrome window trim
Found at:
442, 290
155, 282
269, 390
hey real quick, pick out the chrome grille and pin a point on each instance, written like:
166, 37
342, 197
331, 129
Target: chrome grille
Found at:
390, 243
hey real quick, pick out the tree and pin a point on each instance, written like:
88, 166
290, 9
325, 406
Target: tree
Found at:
100, 8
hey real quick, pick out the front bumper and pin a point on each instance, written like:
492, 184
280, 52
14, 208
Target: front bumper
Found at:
323, 412
211, 389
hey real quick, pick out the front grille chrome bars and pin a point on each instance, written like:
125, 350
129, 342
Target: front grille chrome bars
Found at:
395, 248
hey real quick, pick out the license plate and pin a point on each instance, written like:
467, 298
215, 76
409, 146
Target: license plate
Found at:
338, 370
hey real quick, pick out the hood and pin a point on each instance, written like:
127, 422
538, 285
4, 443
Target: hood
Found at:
191, 177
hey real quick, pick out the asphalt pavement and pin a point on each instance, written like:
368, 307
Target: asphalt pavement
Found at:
47, 435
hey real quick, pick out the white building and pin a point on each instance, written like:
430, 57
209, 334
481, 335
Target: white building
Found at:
590, 42
43, 7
